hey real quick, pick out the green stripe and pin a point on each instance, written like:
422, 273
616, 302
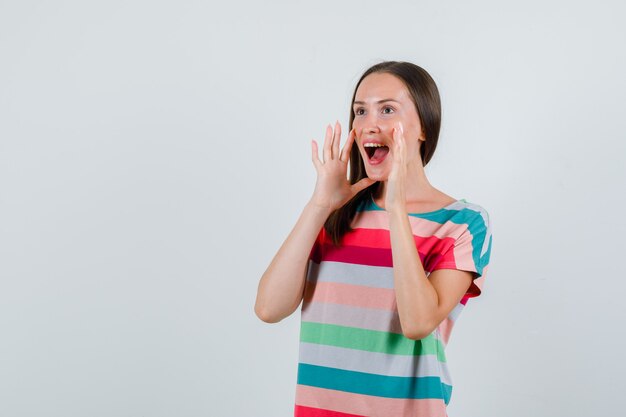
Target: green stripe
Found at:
373, 384
370, 340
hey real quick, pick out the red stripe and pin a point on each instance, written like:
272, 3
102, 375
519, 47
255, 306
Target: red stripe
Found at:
373, 247
381, 239
373, 238
357, 255
302, 411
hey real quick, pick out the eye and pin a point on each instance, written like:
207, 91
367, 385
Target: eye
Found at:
387, 107
358, 110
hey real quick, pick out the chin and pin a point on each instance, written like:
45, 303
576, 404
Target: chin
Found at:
378, 172
377, 176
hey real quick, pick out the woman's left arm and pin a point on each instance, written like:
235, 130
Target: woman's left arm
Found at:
423, 302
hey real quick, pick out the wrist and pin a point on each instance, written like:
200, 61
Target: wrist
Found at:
318, 209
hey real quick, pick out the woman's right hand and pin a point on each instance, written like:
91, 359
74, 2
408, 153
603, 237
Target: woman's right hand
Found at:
333, 189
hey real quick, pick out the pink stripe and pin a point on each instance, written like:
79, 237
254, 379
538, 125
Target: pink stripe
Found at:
420, 226
445, 328
367, 405
354, 295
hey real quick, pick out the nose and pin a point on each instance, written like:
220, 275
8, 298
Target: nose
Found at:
370, 123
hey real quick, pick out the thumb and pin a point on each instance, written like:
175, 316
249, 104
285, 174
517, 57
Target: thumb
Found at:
361, 185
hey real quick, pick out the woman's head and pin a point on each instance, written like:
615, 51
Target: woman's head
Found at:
416, 104
414, 101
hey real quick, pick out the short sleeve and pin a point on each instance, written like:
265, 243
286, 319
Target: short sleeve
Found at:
471, 250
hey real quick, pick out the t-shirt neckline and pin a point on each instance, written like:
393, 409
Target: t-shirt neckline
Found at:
421, 214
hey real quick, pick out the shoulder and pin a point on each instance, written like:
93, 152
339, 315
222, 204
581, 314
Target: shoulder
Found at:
477, 227
468, 212
471, 225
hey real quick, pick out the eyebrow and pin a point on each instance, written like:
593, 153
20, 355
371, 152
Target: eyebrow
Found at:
378, 102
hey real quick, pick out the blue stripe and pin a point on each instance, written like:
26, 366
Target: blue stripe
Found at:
373, 384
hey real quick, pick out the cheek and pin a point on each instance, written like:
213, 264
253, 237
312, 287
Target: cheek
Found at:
358, 124
387, 129
415, 127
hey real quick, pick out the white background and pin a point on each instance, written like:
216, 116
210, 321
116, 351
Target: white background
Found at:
155, 154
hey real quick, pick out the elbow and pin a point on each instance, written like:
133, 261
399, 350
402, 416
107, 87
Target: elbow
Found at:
273, 312
415, 335
417, 331
264, 315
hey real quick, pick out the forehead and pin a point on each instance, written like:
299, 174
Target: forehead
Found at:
379, 86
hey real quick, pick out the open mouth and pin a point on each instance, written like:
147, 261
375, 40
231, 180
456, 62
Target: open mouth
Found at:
376, 153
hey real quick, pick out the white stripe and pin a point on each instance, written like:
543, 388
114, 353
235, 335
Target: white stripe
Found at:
354, 274
456, 311
357, 317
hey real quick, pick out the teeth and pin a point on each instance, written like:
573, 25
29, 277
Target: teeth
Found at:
373, 145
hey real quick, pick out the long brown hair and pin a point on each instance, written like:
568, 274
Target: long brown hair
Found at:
425, 96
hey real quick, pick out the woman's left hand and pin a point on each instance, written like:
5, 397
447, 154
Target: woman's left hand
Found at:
395, 199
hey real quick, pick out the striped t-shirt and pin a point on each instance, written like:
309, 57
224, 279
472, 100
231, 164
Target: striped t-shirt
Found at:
353, 358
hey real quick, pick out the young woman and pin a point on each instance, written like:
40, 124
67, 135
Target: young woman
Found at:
383, 262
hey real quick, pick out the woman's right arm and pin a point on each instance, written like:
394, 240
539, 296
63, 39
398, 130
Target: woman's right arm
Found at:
282, 285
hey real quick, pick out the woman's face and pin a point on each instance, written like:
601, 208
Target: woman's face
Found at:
382, 101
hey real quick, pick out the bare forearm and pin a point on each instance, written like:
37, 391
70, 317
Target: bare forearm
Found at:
416, 298
281, 286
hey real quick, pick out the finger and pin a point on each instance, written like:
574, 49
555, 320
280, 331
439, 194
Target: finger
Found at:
399, 131
402, 138
398, 149
336, 139
362, 184
345, 152
327, 143
315, 154
398, 137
